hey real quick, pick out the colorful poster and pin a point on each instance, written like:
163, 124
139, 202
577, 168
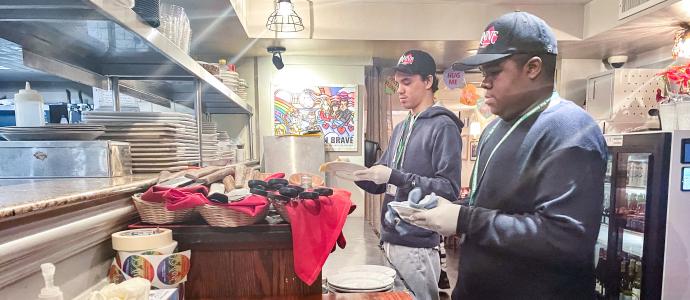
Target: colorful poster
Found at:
329, 109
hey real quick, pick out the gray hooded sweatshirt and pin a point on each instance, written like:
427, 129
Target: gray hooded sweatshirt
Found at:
432, 162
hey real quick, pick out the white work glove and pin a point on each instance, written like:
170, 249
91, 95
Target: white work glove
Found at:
443, 218
378, 174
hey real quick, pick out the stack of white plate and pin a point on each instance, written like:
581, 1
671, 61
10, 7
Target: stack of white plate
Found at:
52, 132
158, 140
226, 149
230, 79
242, 89
362, 279
210, 144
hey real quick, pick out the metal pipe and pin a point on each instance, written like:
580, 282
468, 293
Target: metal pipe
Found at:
198, 111
257, 114
251, 135
115, 88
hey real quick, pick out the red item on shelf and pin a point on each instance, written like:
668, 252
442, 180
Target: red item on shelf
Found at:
316, 228
177, 198
275, 176
250, 205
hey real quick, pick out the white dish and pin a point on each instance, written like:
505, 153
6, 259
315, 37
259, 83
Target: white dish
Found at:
360, 280
341, 169
167, 164
369, 268
344, 290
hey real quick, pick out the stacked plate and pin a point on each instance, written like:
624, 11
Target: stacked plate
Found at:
242, 89
226, 148
230, 79
362, 279
158, 141
53, 132
210, 142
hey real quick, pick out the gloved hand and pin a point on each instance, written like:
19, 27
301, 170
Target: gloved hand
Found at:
442, 219
378, 174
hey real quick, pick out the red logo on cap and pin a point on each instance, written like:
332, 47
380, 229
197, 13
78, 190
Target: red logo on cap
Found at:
489, 37
406, 59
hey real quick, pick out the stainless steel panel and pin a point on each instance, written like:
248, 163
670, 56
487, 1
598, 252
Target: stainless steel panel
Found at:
622, 98
49, 159
121, 43
292, 154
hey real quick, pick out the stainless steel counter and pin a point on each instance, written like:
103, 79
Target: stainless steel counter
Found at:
20, 196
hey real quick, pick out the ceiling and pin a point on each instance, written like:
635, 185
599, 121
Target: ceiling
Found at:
225, 37
467, 1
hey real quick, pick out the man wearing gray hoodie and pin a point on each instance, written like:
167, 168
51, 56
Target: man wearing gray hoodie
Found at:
424, 151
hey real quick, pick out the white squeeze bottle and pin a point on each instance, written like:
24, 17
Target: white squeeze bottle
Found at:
28, 107
50, 291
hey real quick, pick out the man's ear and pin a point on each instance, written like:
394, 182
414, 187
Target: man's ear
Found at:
429, 80
534, 67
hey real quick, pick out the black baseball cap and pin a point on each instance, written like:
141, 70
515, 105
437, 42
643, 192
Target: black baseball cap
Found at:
416, 62
512, 33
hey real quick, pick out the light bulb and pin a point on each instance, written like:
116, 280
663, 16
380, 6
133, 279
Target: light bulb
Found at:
475, 129
285, 9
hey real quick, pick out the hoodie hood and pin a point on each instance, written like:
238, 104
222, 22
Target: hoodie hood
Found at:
437, 110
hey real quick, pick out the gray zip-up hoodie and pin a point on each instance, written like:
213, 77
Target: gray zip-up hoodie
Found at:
432, 162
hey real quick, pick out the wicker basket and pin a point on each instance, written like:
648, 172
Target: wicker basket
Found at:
155, 212
226, 217
282, 211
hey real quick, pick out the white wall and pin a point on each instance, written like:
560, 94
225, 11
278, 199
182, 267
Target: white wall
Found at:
571, 78
653, 59
315, 70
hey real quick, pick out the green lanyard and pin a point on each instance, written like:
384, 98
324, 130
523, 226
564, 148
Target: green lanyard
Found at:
475, 181
402, 144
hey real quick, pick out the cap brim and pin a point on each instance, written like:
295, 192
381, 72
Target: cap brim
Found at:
474, 61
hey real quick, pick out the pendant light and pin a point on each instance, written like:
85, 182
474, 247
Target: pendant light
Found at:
284, 18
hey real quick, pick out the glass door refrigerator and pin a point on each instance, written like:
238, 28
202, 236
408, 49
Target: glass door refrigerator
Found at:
644, 178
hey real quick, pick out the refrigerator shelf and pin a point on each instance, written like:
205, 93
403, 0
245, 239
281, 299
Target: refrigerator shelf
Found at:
632, 241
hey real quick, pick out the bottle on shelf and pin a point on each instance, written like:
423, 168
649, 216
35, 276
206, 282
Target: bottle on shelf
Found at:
28, 108
637, 281
643, 175
625, 284
600, 274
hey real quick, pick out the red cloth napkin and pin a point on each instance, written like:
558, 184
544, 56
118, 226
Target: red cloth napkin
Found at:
275, 176
251, 205
177, 198
316, 227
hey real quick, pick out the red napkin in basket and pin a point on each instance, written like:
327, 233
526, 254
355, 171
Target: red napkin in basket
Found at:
316, 227
251, 205
275, 176
177, 198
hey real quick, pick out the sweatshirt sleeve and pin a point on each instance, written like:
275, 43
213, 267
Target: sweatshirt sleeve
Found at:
445, 158
567, 212
371, 187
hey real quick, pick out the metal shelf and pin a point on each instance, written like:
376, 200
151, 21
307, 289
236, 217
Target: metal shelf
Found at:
88, 41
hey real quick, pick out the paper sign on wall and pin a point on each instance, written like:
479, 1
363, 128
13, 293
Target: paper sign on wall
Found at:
103, 99
453, 79
329, 109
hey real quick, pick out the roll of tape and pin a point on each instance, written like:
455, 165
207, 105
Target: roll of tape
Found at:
142, 239
165, 250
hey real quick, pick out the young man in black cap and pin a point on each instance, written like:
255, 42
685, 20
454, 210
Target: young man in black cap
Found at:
424, 152
537, 185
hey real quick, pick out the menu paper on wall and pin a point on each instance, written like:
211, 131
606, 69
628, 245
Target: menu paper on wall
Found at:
614, 140
103, 100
